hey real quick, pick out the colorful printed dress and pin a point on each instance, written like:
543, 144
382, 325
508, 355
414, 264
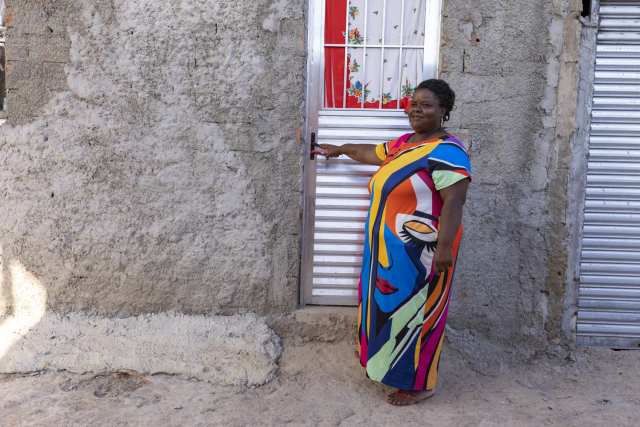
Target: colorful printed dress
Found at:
403, 300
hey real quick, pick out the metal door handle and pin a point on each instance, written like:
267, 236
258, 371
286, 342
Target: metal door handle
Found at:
312, 145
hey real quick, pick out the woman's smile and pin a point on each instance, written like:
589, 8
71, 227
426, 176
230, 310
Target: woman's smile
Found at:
425, 112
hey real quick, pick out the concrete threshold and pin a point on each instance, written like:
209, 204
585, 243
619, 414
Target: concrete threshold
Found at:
316, 324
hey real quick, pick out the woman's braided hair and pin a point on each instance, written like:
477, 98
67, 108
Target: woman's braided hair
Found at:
441, 89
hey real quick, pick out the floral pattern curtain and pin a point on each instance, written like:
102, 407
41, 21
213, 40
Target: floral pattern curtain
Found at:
374, 52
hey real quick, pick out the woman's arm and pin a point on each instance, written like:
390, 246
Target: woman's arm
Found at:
363, 153
453, 198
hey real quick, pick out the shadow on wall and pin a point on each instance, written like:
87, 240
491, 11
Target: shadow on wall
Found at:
23, 302
228, 350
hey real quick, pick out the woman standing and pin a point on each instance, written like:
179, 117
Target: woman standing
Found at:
412, 235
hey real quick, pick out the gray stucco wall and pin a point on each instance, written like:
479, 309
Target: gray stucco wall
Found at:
151, 163
515, 71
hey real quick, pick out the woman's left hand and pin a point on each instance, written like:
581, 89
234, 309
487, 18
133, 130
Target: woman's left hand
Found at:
453, 198
443, 258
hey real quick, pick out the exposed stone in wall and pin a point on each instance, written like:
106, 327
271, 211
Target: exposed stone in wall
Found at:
150, 160
36, 54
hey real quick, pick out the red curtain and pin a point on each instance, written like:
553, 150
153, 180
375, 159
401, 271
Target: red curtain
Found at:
348, 88
334, 29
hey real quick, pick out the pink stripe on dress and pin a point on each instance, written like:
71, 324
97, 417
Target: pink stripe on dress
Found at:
429, 350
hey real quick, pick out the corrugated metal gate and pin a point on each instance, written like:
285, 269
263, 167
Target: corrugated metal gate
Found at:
342, 200
609, 293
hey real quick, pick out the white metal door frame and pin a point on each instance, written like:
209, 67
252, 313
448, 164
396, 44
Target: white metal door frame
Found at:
314, 99
313, 103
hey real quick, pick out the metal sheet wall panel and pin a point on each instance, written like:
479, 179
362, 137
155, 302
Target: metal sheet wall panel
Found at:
609, 293
342, 200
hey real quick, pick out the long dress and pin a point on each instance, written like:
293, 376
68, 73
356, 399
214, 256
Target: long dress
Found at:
403, 301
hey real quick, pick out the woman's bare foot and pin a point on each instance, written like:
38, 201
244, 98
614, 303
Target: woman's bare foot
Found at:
405, 397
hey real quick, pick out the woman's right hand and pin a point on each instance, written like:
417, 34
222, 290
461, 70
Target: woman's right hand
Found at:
327, 150
363, 153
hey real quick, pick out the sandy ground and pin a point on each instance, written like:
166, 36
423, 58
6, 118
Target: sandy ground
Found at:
321, 385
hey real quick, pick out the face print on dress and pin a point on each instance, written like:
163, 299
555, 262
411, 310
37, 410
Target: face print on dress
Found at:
410, 244
420, 230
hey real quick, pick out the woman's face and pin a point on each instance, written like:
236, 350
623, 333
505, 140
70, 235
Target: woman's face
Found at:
425, 112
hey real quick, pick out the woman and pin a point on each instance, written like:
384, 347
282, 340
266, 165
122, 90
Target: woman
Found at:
412, 235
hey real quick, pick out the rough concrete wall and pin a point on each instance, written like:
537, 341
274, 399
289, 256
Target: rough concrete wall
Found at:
512, 68
150, 161
578, 169
151, 164
36, 55
567, 52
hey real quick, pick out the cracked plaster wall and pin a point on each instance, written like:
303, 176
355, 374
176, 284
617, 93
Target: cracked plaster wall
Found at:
151, 163
514, 67
150, 160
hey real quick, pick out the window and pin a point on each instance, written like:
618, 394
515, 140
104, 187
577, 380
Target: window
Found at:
374, 52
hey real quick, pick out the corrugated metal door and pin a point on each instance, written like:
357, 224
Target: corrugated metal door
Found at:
609, 293
341, 109
342, 200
